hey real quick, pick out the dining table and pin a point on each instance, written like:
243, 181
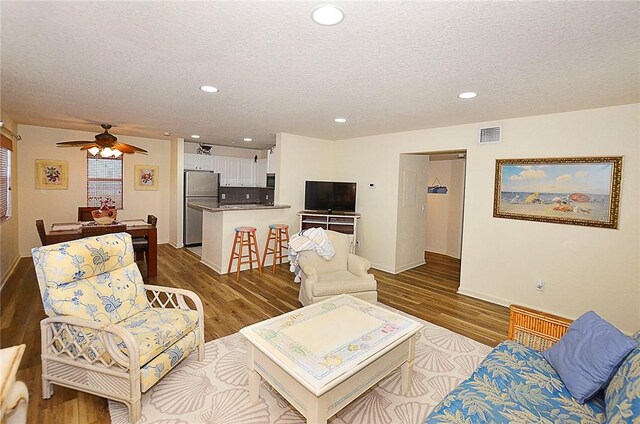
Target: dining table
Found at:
66, 231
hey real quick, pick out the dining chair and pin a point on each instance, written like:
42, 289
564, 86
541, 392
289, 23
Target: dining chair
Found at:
141, 244
84, 212
41, 231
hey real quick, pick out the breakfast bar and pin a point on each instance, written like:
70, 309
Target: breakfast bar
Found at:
219, 222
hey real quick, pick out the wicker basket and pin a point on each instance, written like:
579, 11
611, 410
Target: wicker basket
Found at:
535, 329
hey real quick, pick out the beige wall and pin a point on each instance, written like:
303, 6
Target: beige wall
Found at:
176, 205
299, 159
9, 246
583, 268
444, 211
61, 205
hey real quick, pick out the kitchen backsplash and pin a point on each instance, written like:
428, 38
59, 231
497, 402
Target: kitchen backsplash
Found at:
244, 195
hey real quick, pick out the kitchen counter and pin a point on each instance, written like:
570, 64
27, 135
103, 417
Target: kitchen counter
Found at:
214, 206
219, 223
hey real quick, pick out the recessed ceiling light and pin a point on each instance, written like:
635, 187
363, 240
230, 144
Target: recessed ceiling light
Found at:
247, 139
195, 136
167, 133
209, 89
340, 120
467, 95
327, 15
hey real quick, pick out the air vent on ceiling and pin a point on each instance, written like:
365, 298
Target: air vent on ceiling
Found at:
491, 135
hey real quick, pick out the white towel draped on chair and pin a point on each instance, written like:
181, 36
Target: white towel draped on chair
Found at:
310, 239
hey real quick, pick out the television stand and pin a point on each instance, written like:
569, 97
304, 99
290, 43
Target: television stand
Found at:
340, 222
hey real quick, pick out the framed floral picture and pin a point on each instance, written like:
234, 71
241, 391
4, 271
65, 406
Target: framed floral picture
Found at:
577, 191
146, 177
52, 174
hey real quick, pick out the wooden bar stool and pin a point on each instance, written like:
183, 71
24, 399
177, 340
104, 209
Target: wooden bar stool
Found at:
245, 236
279, 233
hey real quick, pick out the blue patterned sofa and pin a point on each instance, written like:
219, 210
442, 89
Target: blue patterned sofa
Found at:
516, 384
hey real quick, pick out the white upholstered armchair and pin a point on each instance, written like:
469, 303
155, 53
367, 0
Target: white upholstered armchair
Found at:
107, 333
344, 273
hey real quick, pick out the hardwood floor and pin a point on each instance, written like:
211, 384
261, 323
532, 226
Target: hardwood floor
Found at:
427, 292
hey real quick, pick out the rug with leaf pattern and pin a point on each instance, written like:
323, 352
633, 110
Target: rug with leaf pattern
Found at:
215, 391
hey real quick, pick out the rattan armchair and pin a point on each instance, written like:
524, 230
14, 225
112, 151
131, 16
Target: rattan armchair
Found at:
107, 333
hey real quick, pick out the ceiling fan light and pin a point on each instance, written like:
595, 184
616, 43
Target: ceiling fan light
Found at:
94, 150
106, 152
116, 153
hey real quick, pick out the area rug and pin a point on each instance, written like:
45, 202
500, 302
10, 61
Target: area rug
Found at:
216, 390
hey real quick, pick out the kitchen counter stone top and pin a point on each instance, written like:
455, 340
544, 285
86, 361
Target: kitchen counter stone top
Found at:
215, 206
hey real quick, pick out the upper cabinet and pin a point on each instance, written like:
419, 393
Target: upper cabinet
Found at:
193, 162
261, 173
271, 162
234, 172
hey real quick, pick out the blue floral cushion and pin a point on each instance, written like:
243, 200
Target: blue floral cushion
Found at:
622, 396
515, 383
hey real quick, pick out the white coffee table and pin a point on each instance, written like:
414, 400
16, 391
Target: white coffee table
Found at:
323, 356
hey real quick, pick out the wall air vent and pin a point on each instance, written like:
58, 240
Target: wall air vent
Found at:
491, 135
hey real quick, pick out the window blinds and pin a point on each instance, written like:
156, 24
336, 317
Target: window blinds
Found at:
104, 180
5, 176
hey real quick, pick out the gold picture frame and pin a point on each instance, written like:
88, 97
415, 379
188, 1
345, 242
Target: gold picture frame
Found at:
52, 174
577, 191
146, 177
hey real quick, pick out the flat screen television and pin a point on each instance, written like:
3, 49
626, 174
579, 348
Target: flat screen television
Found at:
330, 196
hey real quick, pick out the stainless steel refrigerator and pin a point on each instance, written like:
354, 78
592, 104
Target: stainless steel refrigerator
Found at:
198, 186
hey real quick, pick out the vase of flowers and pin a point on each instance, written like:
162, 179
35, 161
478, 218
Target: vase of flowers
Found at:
107, 212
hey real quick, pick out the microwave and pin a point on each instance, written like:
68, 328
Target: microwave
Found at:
271, 180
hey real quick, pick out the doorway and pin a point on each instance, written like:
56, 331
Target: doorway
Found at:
443, 219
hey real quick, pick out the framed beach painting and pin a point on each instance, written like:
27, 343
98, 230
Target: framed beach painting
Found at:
578, 191
146, 177
52, 174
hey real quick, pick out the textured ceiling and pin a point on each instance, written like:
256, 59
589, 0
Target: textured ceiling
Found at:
388, 67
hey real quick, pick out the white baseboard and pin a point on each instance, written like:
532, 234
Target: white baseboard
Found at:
175, 245
213, 266
409, 266
10, 271
481, 296
382, 268
397, 270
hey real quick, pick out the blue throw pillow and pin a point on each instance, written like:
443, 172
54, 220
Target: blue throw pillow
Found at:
588, 355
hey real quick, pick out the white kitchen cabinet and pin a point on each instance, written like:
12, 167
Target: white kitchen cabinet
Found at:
261, 173
247, 173
230, 176
271, 162
206, 162
191, 162
194, 162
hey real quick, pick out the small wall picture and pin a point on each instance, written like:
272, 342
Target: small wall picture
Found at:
146, 177
577, 191
52, 174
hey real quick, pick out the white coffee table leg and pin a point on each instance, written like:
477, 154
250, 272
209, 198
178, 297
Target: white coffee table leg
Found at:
254, 378
317, 408
407, 367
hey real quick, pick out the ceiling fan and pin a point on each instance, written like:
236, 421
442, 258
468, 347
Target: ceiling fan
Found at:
105, 144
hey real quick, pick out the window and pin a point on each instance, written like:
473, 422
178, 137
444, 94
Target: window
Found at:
104, 180
5, 177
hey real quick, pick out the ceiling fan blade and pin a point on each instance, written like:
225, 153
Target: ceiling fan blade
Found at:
74, 143
131, 148
89, 146
124, 148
